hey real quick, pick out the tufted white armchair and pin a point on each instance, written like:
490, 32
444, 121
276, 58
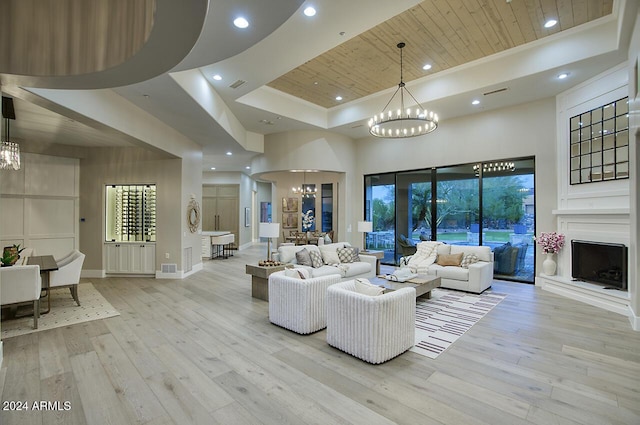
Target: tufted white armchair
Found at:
68, 273
372, 328
20, 284
299, 304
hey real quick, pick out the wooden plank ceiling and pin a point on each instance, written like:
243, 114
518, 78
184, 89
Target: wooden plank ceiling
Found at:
71, 37
443, 33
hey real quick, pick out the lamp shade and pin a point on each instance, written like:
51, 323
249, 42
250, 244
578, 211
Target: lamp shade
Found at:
365, 226
269, 230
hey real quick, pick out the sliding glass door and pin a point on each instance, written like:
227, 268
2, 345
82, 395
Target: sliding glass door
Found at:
486, 203
381, 210
508, 216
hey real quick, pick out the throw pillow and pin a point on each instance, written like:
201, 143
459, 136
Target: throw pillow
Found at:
327, 239
450, 260
363, 286
329, 254
468, 259
303, 258
443, 249
348, 254
316, 259
297, 273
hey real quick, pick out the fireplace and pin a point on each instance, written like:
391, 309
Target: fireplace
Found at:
599, 263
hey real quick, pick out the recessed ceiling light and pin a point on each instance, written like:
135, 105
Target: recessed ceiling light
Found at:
213, 168
475, 102
550, 23
241, 22
338, 98
217, 77
309, 11
229, 153
247, 167
427, 67
563, 76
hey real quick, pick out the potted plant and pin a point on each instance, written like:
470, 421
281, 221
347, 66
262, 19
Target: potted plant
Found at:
10, 255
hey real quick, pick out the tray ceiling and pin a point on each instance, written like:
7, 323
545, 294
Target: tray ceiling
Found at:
442, 33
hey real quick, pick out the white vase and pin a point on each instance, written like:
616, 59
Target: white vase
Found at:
549, 265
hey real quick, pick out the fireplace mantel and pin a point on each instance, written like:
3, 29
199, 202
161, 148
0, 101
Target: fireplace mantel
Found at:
592, 211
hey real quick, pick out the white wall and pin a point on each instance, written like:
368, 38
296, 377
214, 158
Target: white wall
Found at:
634, 155
597, 211
246, 186
520, 131
332, 155
40, 204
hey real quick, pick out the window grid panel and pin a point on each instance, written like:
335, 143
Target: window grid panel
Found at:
599, 144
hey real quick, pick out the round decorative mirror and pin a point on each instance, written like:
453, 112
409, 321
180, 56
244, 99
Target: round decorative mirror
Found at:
193, 215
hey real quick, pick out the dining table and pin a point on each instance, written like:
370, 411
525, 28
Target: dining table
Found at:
47, 264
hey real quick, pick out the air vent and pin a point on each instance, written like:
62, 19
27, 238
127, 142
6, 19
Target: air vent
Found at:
237, 84
168, 268
496, 91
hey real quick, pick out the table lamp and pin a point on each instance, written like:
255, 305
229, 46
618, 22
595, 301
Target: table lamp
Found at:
365, 227
269, 230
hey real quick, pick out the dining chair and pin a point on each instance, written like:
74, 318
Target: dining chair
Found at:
68, 273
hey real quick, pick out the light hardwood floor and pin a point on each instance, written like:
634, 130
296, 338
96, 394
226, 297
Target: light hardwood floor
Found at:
201, 350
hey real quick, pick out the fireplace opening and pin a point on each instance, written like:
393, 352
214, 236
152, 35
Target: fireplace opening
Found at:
599, 263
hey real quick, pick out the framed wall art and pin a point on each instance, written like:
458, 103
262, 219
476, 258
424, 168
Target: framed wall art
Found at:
290, 220
289, 205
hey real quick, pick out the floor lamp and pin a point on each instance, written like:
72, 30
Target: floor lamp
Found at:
365, 227
269, 230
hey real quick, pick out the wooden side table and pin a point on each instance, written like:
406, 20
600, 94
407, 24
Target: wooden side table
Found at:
379, 256
260, 279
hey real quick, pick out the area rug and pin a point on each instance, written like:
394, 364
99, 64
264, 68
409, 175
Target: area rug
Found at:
444, 318
64, 311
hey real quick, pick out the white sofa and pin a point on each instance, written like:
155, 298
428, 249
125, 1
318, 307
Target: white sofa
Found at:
475, 277
366, 267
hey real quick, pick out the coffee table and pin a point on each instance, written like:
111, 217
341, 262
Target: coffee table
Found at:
424, 288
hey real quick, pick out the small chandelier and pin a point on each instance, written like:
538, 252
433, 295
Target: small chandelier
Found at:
305, 191
488, 167
403, 122
9, 152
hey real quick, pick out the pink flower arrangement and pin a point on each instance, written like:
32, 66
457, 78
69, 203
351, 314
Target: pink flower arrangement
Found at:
551, 242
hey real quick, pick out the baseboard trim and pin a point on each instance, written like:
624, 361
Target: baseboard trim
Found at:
634, 319
99, 274
194, 269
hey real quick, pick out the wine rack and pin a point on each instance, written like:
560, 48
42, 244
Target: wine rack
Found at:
130, 213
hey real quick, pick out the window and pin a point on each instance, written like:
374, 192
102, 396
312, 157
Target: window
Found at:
599, 144
488, 203
327, 206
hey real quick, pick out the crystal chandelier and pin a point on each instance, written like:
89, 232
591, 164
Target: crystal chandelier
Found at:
305, 191
403, 122
9, 152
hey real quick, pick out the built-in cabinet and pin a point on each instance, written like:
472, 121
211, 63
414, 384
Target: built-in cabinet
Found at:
220, 208
130, 229
130, 213
130, 258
